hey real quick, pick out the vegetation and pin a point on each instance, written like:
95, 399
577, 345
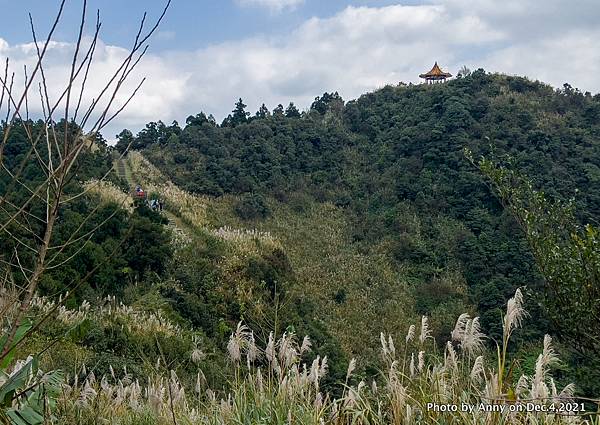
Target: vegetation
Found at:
273, 385
369, 226
388, 170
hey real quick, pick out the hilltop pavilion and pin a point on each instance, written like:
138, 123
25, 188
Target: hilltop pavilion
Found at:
436, 75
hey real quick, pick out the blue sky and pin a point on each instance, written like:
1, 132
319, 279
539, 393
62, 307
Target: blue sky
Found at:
190, 24
208, 53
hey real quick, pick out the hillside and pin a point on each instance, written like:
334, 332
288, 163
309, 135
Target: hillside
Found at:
391, 166
379, 212
363, 225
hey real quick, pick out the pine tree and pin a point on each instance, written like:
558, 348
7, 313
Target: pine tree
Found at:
291, 111
278, 111
240, 115
263, 112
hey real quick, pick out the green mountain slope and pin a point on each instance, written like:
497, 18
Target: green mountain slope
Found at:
417, 230
393, 162
351, 223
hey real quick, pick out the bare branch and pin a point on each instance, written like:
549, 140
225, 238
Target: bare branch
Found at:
64, 144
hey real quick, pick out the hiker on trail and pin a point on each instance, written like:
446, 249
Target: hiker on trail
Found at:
160, 204
139, 191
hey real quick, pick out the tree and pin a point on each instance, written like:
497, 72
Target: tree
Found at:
124, 140
291, 111
567, 254
240, 116
263, 112
197, 120
39, 166
278, 111
326, 102
463, 72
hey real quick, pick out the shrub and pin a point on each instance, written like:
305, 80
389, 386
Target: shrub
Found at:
252, 206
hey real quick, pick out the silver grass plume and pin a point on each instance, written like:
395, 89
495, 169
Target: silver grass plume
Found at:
425, 331
553, 389
546, 359
324, 366
384, 344
391, 346
450, 360
313, 376
522, 385
351, 367
410, 334
460, 326
473, 339
549, 356
318, 403
396, 390
421, 364
86, 395
270, 349
288, 353
252, 352
236, 343
350, 399
306, 345
567, 392
259, 381
197, 354
515, 313
478, 372
491, 387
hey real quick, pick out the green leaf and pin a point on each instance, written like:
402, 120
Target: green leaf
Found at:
18, 380
26, 415
19, 335
15, 418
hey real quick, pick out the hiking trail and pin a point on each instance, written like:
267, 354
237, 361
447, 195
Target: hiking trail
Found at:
175, 224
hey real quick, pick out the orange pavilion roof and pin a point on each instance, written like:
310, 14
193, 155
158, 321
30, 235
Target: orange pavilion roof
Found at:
436, 72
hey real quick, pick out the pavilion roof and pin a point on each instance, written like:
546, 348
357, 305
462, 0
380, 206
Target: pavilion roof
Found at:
436, 72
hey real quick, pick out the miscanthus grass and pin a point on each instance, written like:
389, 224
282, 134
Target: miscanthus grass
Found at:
281, 382
109, 192
192, 208
110, 311
246, 237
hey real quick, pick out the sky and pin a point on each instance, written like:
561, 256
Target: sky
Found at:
208, 53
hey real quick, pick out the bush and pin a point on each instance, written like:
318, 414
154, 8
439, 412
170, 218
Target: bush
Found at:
252, 206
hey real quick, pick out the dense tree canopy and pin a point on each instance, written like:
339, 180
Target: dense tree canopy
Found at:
397, 153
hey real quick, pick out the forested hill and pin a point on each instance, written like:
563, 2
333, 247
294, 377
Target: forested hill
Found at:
355, 223
418, 216
398, 143
392, 163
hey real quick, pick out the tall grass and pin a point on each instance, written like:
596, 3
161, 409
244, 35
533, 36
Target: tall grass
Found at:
281, 383
109, 192
192, 208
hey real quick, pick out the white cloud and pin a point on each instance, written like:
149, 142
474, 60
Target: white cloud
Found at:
165, 35
272, 5
161, 95
354, 51
566, 58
